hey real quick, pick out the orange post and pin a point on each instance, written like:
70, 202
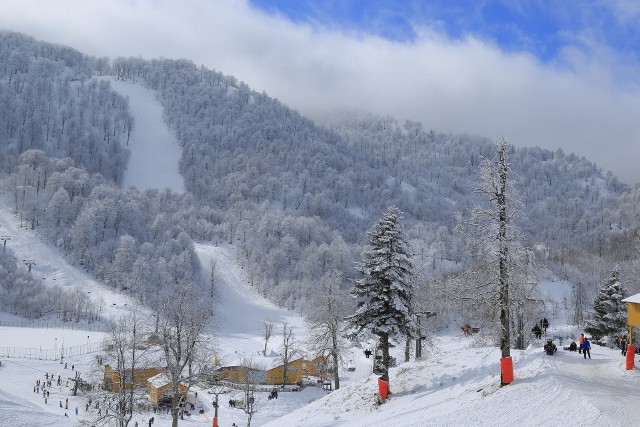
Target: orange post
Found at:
215, 421
506, 370
631, 352
383, 389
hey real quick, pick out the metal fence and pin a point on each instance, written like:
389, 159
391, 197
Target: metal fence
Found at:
93, 327
52, 353
255, 387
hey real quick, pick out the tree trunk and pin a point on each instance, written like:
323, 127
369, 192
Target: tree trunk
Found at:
384, 346
335, 358
505, 339
407, 349
175, 405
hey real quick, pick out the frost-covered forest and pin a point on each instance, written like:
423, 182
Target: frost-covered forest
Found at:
294, 196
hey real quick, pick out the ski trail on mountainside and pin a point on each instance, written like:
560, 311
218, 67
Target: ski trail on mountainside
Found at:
240, 311
155, 151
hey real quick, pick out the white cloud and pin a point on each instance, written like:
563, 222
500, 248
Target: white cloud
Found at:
626, 12
466, 86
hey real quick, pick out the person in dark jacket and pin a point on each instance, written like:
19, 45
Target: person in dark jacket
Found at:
537, 331
586, 348
550, 347
545, 324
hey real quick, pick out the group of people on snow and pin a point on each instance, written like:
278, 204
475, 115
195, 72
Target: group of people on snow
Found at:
584, 346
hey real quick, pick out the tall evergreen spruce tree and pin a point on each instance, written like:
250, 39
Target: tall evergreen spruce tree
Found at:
384, 292
610, 317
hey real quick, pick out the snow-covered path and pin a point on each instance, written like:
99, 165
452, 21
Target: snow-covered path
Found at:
154, 148
607, 371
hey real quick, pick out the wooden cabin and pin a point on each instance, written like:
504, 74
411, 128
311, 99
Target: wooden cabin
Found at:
297, 370
158, 388
238, 374
139, 377
633, 313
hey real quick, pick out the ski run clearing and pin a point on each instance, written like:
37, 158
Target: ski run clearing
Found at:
456, 383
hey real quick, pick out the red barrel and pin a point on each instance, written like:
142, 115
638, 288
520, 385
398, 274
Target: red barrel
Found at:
631, 352
506, 369
383, 389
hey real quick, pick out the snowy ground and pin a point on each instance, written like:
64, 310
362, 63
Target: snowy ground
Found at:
456, 384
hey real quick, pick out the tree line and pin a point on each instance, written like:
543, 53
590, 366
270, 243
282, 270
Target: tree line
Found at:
293, 196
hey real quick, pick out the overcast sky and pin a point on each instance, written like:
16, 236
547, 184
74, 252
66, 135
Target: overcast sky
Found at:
556, 74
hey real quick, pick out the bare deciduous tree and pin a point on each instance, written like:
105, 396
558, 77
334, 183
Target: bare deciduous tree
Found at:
268, 330
495, 243
579, 296
127, 355
325, 322
288, 350
126, 337
183, 318
252, 375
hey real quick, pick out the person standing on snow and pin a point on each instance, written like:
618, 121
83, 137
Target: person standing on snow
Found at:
537, 331
545, 324
581, 342
586, 347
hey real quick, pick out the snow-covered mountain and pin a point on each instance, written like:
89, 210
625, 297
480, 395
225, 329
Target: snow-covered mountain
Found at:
284, 219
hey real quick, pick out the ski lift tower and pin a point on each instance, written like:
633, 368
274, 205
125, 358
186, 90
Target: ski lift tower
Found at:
4, 241
29, 263
419, 338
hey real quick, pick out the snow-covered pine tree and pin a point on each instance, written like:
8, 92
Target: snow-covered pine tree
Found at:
610, 317
384, 292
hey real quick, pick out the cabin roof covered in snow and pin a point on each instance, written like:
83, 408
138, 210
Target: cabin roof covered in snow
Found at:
159, 380
633, 298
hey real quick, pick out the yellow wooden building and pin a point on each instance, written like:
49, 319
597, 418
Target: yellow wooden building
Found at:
158, 387
297, 370
111, 380
633, 313
239, 374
